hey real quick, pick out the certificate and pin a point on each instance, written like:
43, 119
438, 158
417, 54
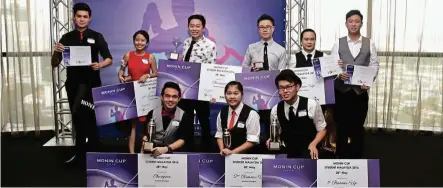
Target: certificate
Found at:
145, 96
244, 170
163, 171
285, 172
342, 173
328, 66
311, 86
185, 74
77, 55
361, 75
215, 77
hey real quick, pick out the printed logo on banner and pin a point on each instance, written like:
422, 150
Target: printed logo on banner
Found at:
111, 170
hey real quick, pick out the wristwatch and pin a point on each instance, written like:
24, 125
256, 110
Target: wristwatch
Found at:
169, 149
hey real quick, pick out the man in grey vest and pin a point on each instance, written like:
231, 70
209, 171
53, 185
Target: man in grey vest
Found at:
351, 102
173, 127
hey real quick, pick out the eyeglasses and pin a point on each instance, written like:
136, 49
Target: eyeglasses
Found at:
288, 87
265, 28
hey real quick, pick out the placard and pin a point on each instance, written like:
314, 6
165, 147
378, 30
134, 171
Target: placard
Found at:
244, 170
215, 79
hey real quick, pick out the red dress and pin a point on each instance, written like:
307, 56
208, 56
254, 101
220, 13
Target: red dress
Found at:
139, 65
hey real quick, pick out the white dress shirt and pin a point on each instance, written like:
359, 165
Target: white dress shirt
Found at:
314, 112
203, 51
252, 124
277, 58
354, 47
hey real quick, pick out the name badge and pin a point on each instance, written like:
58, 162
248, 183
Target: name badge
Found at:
91, 41
302, 113
145, 61
240, 125
175, 123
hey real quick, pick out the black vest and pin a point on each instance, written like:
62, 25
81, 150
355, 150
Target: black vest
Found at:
238, 135
303, 62
299, 133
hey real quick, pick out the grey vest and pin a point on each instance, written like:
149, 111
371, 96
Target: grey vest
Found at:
345, 54
166, 137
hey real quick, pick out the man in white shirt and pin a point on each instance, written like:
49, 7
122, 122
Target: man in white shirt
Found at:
199, 49
301, 121
265, 54
351, 102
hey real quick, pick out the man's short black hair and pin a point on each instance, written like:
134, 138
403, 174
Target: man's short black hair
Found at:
234, 83
287, 75
198, 17
141, 32
307, 30
354, 12
172, 85
82, 6
265, 17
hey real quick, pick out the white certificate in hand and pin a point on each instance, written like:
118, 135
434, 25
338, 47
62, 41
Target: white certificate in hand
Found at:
145, 98
213, 79
329, 66
361, 75
77, 56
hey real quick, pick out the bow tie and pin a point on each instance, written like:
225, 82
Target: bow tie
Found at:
167, 114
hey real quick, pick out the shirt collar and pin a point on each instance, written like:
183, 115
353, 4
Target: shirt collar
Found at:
358, 40
202, 39
270, 41
295, 105
306, 53
237, 110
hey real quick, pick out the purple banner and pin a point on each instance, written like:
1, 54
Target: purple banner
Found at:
114, 103
186, 75
289, 173
329, 90
193, 170
259, 88
373, 173
111, 170
212, 170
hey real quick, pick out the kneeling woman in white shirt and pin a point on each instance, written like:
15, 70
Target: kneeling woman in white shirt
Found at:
241, 121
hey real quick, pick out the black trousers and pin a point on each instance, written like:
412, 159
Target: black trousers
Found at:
350, 114
202, 110
83, 118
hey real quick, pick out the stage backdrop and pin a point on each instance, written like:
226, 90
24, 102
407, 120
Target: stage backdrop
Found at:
232, 24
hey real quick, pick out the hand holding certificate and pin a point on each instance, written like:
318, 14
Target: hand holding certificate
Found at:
360, 75
77, 55
329, 66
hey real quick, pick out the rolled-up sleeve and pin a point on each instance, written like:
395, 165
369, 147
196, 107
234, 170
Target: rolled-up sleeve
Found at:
316, 114
253, 127
219, 133
103, 47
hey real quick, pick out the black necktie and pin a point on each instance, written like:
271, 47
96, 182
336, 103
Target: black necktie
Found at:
291, 113
309, 61
265, 57
188, 53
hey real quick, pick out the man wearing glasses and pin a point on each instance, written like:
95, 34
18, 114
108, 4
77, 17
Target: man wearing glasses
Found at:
300, 120
265, 54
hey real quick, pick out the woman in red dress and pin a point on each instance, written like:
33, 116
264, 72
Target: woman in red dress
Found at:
141, 66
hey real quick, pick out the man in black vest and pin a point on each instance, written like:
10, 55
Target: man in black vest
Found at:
301, 121
174, 127
81, 79
305, 56
351, 102
240, 120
